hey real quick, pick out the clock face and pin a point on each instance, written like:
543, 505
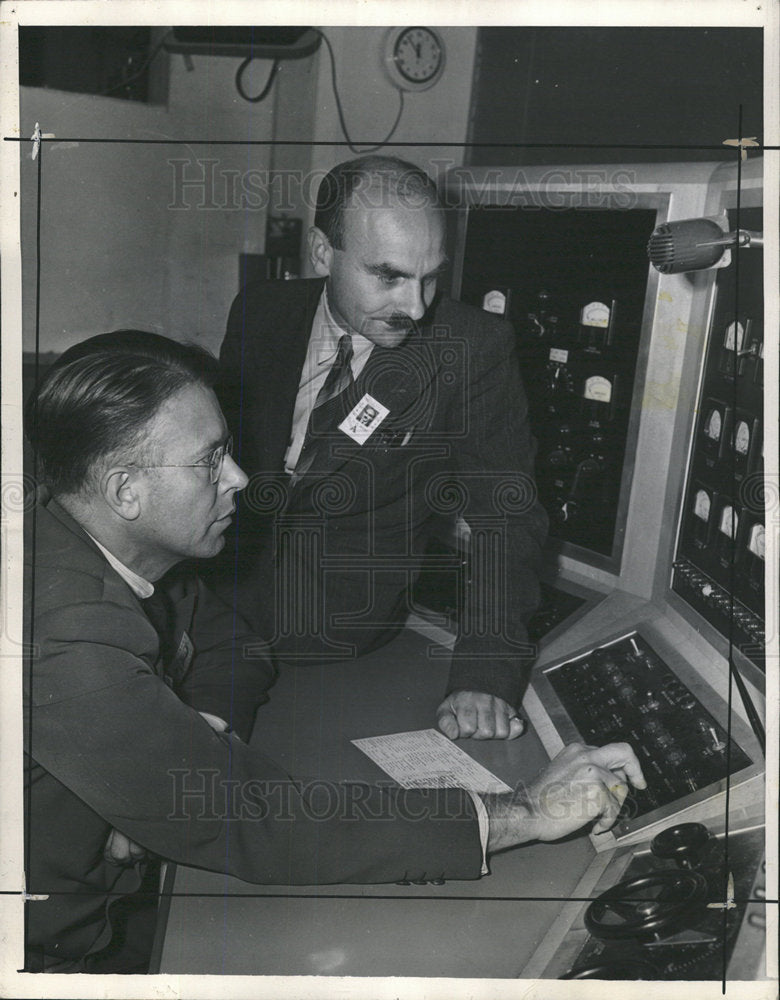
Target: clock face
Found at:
417, 57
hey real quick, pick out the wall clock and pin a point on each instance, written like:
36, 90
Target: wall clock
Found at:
414, 57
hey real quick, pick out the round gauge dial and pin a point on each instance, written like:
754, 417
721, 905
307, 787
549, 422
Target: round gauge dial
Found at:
756, 542
701, 506
595, 314
713, 426
729, 522
414, 57
742, 438
494, 301
735, 334
599, 388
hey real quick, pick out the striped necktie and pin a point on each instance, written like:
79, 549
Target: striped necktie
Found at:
340, 375
339, 379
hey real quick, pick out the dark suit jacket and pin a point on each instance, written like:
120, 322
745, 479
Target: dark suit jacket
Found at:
325, 564
114, 739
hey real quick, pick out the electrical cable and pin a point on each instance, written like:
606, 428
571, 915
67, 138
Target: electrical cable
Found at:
268, 84
342, 122
152, 55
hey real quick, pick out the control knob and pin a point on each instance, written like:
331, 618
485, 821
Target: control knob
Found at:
684, 844
650, 906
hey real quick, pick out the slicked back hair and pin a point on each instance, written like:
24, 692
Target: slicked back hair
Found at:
369, 181
95, 403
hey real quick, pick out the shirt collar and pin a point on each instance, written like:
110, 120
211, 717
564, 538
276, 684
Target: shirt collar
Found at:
331, 332
140, 587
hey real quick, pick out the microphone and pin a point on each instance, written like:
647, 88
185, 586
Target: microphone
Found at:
695, 245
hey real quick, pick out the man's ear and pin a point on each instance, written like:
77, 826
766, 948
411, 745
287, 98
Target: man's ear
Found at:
119, 487
320, 252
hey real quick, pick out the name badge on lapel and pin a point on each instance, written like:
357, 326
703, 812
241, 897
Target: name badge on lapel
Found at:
184, 654
364, 419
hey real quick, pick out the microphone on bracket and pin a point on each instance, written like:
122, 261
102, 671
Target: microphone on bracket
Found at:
696, 244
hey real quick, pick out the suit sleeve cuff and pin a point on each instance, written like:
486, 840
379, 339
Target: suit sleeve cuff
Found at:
215, 722
484, 829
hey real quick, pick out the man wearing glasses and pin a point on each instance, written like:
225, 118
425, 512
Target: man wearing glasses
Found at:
139, 704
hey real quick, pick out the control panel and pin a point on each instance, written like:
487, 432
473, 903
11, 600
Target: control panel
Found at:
665, 916
646, 394
624, 691
573, 284
580, 377
720, 560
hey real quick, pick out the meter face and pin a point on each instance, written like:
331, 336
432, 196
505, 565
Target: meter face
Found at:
728, 521
742, 438
756, 540
735, 334
701, 507
714, 425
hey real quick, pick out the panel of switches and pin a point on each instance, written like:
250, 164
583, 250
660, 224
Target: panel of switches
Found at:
625, 692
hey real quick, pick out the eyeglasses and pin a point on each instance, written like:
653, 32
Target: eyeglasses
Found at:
213, 462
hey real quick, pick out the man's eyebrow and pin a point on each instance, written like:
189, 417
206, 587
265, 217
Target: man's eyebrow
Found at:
388, 271
207, 449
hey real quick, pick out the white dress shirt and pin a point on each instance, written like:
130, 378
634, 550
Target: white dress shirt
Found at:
139, 586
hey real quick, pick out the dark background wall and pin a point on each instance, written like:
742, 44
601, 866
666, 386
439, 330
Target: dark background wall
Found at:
613, 87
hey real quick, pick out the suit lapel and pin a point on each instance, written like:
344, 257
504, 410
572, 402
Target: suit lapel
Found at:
399, 377
183, 609
283, 374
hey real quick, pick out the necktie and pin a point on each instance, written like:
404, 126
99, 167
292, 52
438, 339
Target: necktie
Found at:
159, 611
339, 379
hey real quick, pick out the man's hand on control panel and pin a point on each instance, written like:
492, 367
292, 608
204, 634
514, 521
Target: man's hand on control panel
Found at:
580, 785
478, 715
